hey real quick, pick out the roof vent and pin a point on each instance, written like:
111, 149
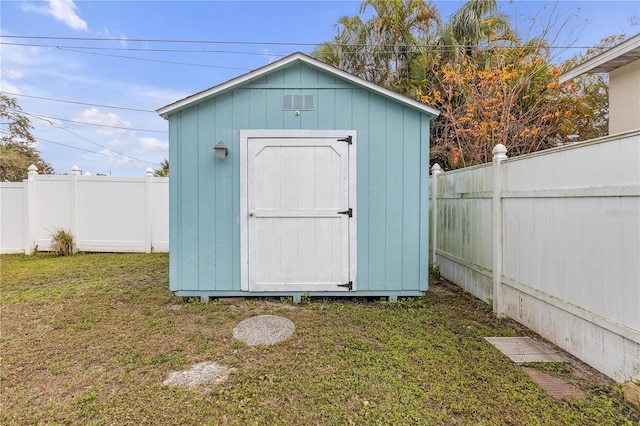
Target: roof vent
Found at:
297, 102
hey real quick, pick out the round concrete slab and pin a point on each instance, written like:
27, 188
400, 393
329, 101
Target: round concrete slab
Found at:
264, 330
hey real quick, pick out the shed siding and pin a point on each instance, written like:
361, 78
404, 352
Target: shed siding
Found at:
392, 156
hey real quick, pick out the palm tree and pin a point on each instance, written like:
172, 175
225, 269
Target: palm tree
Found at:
476, 21
381, 49
467, 23
347, 50
163, 171
395, 32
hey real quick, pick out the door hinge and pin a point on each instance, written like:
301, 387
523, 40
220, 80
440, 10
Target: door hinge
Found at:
348, 285
348, 140
348, 212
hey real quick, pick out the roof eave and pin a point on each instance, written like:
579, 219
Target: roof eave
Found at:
174, 107
183, 103
625, 52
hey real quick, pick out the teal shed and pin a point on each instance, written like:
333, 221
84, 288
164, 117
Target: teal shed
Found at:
318, 186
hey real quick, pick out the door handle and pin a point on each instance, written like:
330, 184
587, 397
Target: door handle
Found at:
252, 213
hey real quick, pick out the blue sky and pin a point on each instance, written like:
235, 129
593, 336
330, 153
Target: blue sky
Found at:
63, 84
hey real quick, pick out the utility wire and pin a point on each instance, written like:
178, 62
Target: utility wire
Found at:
146, 49
233, 42
74, 147
86, 150
261, 43
89, 140
20, 78
388, 48
79, 103
152, 60
38, 139
96, 124
376, 48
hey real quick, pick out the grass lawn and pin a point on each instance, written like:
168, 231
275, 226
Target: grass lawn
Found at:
88, 339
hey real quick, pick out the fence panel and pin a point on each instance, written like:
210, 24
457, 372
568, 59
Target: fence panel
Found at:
160, 214
12, 222
463, 248
569, 228
107, 226
103, 213
50, 210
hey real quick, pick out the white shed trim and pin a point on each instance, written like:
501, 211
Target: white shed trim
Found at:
245, 136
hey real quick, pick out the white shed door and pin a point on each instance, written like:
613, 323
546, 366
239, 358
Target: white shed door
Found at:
297, 213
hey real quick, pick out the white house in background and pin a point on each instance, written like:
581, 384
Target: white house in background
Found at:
622, 62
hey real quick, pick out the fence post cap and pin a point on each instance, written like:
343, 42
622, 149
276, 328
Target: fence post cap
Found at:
149, 171
499, 151
75, 170
435, 169
32, 172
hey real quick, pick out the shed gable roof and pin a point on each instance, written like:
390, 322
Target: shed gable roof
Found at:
260, 72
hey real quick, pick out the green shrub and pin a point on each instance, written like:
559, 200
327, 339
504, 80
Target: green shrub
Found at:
62, 242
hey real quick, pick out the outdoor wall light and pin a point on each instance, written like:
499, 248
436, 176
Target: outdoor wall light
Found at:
221, 150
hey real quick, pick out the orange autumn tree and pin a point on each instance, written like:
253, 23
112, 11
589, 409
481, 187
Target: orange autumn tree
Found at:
506, 95
490, 86
587, 95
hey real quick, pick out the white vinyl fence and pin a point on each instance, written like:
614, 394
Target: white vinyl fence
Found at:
552, 240
103, 213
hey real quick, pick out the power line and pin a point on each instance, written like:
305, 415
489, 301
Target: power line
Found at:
347, 48
79, 103
96, 124
146, 49
153, 60
20, 78
128, 157
417, 48
142, 40
89, 140
232, 42
86, 150
81, 149
82, 49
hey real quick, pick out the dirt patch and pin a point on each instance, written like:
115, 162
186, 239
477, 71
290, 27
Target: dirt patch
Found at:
441, 290
281, 305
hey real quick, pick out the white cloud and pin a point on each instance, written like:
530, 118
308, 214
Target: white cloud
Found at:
13, 56
8, 87
113, 158
153, 145
62, 10
107, 33
118, 142
94, 116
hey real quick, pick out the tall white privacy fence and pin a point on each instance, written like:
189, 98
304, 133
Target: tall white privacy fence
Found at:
103, 213
552, 240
